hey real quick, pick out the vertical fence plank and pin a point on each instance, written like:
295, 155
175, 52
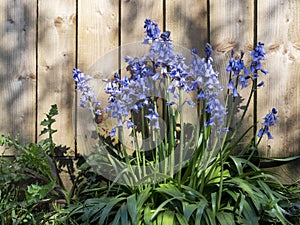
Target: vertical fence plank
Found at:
56, 58
133, 15
97, 30
18, 68
231, 27
187, 21
98, 34
278, 27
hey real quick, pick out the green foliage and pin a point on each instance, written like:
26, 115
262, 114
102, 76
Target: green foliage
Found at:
29, 180
230, 190
249, 195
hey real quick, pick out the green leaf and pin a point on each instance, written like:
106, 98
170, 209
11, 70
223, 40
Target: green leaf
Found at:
53, 110
239, 164
93, 208
36, 193
158, 220
214, 203
201, 207
249, 214
191, 193
124, 215
47, 122
244, 185
171, 190
225, 218
188, 210
147, 215
168, 218
162, 205
142, 198
118, 217
181, 220
132, 208
44, 131
107, 209
288, 159
209, 217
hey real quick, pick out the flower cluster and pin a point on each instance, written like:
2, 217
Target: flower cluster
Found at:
238, 69
170, 70
130, 94
269, 121
152, 30
87, 93
162, 65
258, 54
236, 66
198, 76
205, 81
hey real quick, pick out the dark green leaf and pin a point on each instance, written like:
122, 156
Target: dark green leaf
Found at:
225, 218
132, 208
107, 209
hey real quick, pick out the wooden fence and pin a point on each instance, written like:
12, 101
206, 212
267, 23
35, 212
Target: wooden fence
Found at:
41, 41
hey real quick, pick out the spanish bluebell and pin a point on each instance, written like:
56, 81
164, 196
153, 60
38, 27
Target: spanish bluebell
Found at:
269, 120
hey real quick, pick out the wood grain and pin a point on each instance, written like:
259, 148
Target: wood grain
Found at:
133, 15
278, 26
98, 36
56, 59
38, 52
18, 69
231, 27
187, 21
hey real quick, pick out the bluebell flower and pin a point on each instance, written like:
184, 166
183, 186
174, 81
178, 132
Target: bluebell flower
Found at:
152, 30
201, 95
237, 66
269, 121
243, 81
205, 81
78, 76
113, 132
260, 84
208, 50
87, 94
235, 93
169, 103
130, 124
153, 116
162, 52
194, 51
209, 122
166, 35
258, 54
232, 87
190, 102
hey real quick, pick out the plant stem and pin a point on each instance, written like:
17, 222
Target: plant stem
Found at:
181, 135
221, 180
172, 140
144, 142
136, 146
